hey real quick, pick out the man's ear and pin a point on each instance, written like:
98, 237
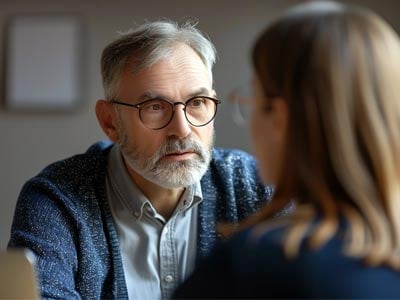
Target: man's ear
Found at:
107, 119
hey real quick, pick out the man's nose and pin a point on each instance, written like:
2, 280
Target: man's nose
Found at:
179, 126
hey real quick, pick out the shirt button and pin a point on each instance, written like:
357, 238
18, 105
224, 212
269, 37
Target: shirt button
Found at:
168, 278
166, 229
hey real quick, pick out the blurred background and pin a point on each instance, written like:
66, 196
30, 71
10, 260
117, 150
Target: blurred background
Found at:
32, 139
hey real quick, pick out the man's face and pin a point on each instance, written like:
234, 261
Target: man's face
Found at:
178, 155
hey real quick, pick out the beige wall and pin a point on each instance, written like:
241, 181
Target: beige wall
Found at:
32, 140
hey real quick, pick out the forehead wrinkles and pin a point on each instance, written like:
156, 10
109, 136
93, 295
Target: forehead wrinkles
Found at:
183, 65
173, 76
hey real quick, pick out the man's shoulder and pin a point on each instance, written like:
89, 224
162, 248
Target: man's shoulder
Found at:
229, 154
94, 156
233, 163
233, 160
75, 172
233, 177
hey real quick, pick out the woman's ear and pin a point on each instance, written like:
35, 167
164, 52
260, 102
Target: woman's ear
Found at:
107, 119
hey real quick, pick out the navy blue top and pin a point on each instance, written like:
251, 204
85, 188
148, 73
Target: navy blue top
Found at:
63, 216
244, 267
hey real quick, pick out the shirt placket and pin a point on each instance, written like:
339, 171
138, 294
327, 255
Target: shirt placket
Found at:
168, 260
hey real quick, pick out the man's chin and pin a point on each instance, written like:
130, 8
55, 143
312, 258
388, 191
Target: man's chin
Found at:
177, 175
186, 158
174, 164
172, 181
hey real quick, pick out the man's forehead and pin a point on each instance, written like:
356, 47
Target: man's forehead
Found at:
137, 63
169, 79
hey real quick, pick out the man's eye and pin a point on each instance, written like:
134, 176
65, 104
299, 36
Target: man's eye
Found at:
155, 106
198, 102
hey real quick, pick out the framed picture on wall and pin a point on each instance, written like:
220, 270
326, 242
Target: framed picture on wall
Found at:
43, 62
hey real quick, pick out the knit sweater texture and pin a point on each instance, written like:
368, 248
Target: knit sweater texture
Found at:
63, 216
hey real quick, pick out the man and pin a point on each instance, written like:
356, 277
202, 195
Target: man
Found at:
129, 218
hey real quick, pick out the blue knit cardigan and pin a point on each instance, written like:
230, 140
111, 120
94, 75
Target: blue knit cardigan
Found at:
63, 216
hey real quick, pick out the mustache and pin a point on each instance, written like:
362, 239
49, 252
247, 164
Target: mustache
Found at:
181, 145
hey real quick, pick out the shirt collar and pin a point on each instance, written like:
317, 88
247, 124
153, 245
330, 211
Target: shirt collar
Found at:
190, 197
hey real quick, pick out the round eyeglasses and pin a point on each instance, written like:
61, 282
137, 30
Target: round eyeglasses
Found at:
158, 113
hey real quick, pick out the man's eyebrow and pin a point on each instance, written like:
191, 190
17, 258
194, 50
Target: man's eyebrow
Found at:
201, 91
148, 95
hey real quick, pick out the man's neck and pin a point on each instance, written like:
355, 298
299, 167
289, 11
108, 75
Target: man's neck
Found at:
164, 200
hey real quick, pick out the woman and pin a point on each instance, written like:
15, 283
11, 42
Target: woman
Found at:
326, 130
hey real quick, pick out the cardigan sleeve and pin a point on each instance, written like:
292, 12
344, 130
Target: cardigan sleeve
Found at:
45, 225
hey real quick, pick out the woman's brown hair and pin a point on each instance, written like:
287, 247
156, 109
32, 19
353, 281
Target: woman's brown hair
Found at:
338, 68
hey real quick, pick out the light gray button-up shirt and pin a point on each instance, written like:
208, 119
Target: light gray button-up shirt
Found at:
157, 255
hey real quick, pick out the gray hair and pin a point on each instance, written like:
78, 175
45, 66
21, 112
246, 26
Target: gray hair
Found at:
149, 43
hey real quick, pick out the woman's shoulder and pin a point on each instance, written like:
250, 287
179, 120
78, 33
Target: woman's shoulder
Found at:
255, 246
327, 271
268, 241
260, 251
258, 236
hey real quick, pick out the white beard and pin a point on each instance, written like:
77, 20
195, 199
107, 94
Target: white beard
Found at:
177, 174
